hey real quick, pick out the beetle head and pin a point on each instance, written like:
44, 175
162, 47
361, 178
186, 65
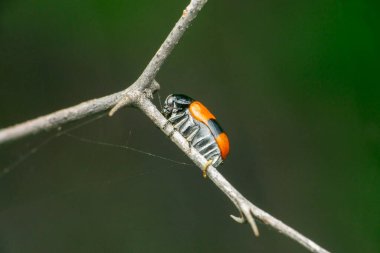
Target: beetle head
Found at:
175, 103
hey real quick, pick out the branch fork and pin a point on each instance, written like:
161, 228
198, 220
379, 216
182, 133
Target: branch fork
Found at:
133, 93
246, 215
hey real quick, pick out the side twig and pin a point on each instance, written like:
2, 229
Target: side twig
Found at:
139, 95
151, 70
58, 118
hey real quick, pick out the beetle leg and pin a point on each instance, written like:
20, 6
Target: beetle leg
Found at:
206, 146
192, 135
180, 123
176, 116
205, 167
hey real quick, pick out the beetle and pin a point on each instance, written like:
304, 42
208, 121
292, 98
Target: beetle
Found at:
199, 126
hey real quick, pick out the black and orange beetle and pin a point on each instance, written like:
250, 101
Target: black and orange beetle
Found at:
199, 126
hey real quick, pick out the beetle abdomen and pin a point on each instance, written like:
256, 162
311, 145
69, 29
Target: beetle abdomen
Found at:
203, 140
198, 125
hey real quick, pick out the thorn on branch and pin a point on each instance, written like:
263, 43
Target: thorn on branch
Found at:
240, 219
246, 215
122, 102
133, 94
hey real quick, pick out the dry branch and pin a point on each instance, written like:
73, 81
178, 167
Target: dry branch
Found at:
58, 118
139, 95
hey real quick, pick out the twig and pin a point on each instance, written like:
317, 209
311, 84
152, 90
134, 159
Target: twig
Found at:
151, 70
58, 118
138, 94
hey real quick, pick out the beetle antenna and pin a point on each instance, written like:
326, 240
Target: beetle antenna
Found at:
159, 99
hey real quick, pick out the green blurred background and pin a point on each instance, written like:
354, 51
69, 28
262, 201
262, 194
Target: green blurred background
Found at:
295, 84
